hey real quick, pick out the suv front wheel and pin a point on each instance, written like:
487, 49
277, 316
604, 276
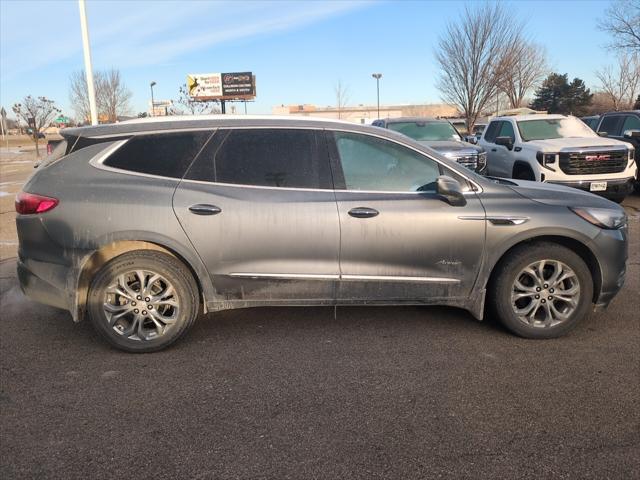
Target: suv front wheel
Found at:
542, 290
143, 301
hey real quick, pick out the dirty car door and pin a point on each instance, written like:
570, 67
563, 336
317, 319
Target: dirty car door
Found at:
259, 207
399, 243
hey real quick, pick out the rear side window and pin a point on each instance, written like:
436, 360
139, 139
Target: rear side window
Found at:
492, 131
288, 158
166, 155
83, 142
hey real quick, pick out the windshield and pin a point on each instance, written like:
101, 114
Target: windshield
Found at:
546, 128
426, 131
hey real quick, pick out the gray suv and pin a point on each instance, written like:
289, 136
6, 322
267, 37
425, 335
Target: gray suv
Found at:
142, 225
440, 135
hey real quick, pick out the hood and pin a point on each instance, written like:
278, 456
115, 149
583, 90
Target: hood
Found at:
559, 144
559, 195
454, 146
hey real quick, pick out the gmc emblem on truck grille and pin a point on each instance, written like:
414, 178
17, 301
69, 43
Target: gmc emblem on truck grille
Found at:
597, 157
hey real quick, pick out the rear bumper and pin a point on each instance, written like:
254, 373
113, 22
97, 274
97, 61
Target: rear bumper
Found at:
43, 283
616, 187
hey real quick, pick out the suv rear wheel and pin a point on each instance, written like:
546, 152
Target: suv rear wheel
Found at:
143, 301
542, 291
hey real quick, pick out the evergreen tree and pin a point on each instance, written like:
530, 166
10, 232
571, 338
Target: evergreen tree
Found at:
557, 95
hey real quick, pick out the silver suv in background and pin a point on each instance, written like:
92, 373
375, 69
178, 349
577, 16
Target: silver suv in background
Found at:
142, 225
440, 135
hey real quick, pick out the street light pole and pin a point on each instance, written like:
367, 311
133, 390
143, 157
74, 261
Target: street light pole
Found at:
377, 76
87, 62
153, 104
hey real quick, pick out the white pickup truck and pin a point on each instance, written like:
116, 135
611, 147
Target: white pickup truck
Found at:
559, 149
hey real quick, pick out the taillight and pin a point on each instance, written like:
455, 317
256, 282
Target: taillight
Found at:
30, 203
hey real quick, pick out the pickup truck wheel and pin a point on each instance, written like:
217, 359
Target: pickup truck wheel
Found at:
542, 291
143, 301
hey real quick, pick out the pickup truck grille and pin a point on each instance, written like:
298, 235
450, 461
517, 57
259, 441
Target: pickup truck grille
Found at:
590, 163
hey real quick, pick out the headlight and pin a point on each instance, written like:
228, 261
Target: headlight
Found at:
602, 217
482, 160
545, 159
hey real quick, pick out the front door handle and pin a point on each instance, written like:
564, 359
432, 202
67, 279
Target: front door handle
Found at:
363, 212
494, 149
204, 209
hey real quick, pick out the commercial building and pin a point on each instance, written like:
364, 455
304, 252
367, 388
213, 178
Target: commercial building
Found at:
365, 114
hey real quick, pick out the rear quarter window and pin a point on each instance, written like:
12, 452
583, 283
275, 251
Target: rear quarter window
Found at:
165, 155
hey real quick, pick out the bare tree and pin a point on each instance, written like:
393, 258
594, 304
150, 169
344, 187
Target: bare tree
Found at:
471, 56
622, 82
78, 96
342, 96
186, 105
622, 22
523, 68
112, 96
37, 113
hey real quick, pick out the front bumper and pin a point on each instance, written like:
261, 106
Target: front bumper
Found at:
611, 250
615, 187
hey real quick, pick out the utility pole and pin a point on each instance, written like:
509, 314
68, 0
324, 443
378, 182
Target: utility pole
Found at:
377, 76
87, 62
153, 103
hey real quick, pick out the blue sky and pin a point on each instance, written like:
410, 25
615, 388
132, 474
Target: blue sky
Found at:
297, 49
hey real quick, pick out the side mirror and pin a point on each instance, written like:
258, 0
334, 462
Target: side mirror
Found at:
632, 134
471, 139
450, 191
505, 142
602, 134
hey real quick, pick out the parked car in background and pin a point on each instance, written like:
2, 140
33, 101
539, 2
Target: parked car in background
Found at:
591, 121
142, 225
624, 126
559, 149
440, 135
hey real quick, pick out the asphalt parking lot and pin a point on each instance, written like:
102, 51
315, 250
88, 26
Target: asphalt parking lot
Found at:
277, 393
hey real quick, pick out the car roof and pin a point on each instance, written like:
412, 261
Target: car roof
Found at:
414, 119
622, 112
188, 122
539, 116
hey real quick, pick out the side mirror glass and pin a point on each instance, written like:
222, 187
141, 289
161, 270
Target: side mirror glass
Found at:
632, 134
505, 142
450, 190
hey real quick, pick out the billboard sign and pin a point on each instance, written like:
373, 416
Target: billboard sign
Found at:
221, 86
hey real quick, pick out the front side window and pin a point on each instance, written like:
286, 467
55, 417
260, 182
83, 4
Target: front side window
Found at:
166, 155
548, 128
375, 164
506, 130
287, 158
611, 125
426, 131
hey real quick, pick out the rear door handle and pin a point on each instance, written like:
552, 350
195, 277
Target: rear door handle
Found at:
363, 212
494, 149
204, 209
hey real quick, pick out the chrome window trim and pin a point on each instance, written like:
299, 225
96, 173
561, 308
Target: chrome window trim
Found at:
313, 276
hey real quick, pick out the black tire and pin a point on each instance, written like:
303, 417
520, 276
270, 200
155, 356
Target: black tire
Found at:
504, 279
171, 270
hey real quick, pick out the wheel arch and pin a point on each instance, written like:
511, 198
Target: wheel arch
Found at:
98, 257
520, 165
578, 247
